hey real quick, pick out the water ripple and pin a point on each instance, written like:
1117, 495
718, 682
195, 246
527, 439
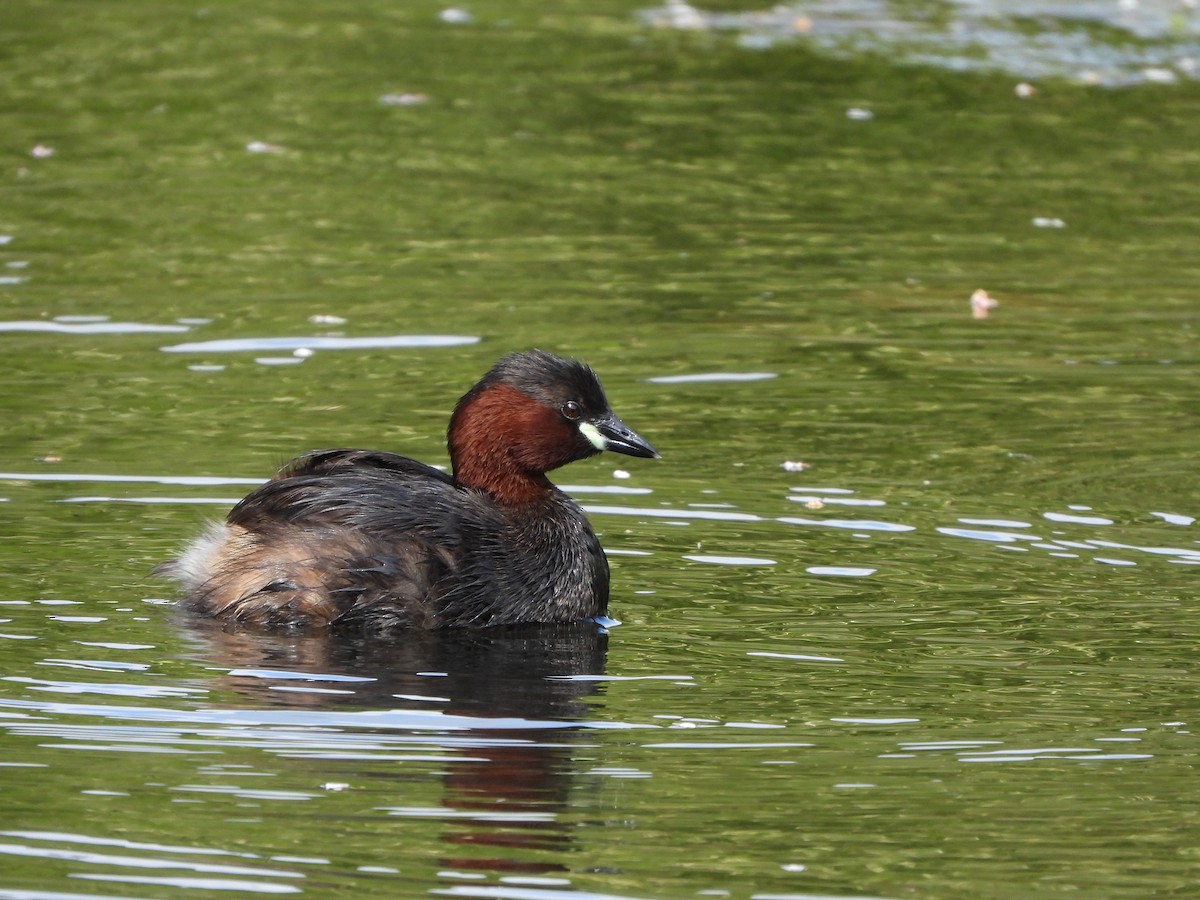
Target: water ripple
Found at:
704, 377
381, 342
853, 524
58, 327
1093, 41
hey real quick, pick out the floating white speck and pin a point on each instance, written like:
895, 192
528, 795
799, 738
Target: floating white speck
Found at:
1047, 222
278, 360
793, 465
454, 16
326, 320
982, 304
41, 151
405, 99
856, 114
263, 147
203, 367
334, 786
302, 352
1156, 75
680, 14
620, 473
1024, 90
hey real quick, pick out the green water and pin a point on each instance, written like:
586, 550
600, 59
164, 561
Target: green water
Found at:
974, 679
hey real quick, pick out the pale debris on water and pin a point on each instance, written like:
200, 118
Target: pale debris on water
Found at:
334, 786
857, 114
302, 352
326, 320
1159, 75
1025, 90
681, 15
1048, 222
405, 99
41, 151
981, 304
620, 474
454, 16
763, 25
793, 465
263, 147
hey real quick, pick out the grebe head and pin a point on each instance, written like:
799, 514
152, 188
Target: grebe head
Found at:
531, 413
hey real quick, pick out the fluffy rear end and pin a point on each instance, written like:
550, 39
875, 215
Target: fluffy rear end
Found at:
309, 576
228, 572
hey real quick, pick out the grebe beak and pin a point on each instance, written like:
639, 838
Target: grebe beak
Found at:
607, 432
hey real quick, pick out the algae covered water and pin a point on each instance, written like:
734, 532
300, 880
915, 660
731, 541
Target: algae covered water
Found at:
906, 607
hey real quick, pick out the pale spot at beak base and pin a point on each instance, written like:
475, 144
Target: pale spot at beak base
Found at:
593, 435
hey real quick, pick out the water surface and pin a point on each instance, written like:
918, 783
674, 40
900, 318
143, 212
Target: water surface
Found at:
906, 607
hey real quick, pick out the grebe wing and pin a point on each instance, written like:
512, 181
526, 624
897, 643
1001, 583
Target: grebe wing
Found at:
332, 462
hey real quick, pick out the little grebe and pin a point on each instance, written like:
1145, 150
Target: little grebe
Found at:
376, 540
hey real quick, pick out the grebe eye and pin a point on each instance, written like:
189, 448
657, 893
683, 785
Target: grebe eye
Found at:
572, 410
